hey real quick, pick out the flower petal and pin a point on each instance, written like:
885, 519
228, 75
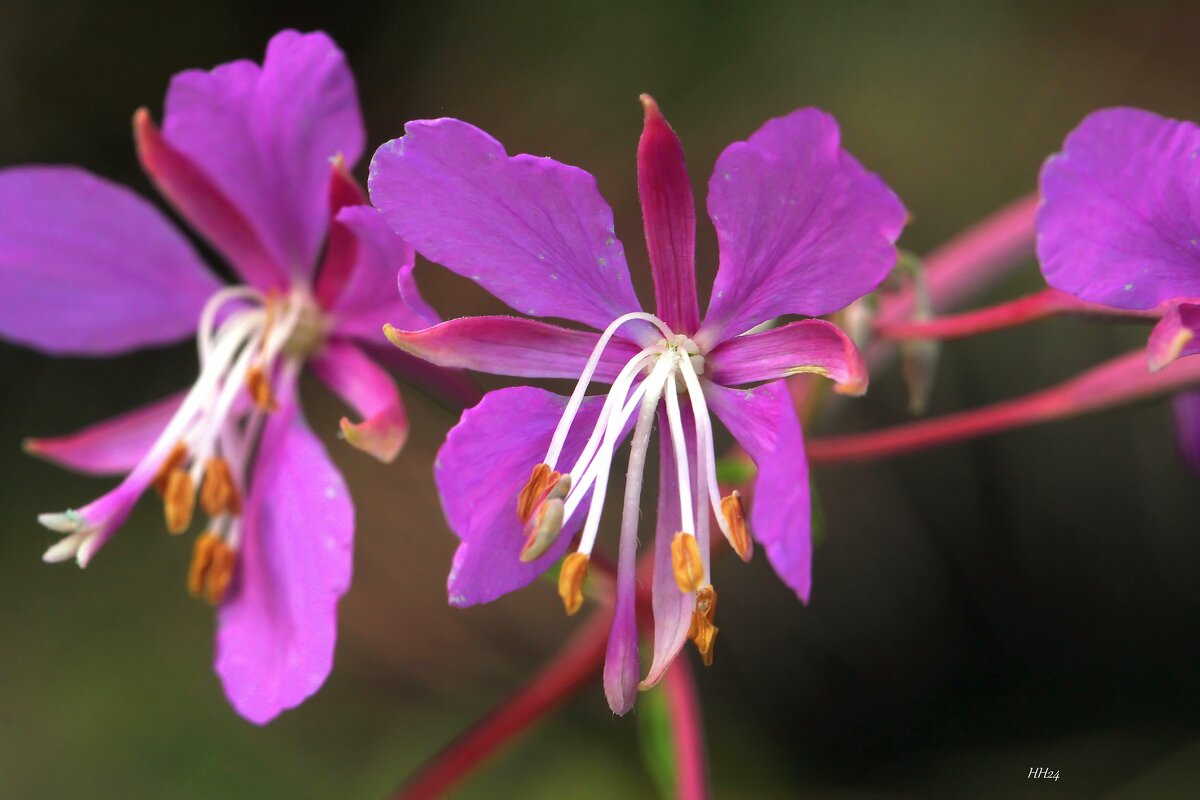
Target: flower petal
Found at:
810, 345
377, 258
533, 232
764, 422
370, 391
669, 216
265, 136
89, 268
802, 227
1174, 336
111, 447
522, 348
485, 461
1120, 217
276, 630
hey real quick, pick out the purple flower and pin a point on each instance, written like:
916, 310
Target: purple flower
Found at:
255, 159
803, 229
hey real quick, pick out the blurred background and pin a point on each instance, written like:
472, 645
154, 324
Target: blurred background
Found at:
1028, 600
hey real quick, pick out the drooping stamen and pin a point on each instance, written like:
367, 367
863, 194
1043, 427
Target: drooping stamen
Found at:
702, 632
686, 564
179, 500
219, 493
174, 460
541, 481
546, 521
260, 389
734, 512
211, 570
705, 455
570, 581
687, 513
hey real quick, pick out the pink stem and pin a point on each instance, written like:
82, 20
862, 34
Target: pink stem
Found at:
1031, 307
1121, 380
687, 727
573, 667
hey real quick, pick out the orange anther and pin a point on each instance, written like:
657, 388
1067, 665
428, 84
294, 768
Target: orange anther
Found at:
734, 512
570, 581
218, 493
172, 462
541, 481
702, 631
686, 562
179, 500
259, 387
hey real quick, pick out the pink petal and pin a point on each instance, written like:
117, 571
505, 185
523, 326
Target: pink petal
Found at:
111, 447
89, 268
1174, 336
763, 420
276, 630
265, 136
522, 348
802, 228
810, 345
669, 215
533, 232
370, 391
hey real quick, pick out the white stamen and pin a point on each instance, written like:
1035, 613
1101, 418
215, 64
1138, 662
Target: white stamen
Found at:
706, 460
679, 445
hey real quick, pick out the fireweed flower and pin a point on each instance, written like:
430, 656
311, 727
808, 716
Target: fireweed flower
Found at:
254, 158
802, 228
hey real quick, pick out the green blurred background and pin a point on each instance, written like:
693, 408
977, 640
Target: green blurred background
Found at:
1022, 601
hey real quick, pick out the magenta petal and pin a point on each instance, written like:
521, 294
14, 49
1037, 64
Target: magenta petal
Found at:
764, 422
277, 628
486, 460
1120, 217
669, 216
265, 136
802, 227
811, 345
522, 348
672, 608
368, 298
113, 446
533, 232
621, 666
368, 389
1174, 336
89, 268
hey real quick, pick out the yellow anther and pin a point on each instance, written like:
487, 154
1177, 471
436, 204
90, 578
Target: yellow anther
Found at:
570, 581
218, 493
259, 387
172, 462
543, 529
734, 512
179, 500
202, 555
686, 563
541, 481
211, 571
702, 632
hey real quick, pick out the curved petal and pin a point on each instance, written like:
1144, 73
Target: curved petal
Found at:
802, 227
111, 447
265, 136
1120, 217
533, 232
522, 348
377, 259
1174, 336
764, 422
89, 268
276, 630
810, 345
485, 461
367, 388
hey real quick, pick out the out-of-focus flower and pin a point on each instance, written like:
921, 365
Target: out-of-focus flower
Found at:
255, 159
803, 229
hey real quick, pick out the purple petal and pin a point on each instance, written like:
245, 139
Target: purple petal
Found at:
672, 608
485, 461
621, 657
370, 391
810, 345
277, 628
669, 216
764, 422
1120, 217
802, 227
1174, 336
522, 348
111, 447
368, 298
89, 268
1185, 407
265, 136
533, 232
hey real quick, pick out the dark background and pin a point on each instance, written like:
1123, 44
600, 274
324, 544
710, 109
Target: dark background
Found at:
1022, 601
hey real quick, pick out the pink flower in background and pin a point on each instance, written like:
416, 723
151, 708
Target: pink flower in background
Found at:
802, 228
254, 158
